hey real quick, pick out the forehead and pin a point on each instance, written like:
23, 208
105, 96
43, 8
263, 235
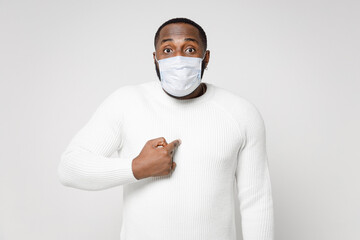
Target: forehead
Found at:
179, 30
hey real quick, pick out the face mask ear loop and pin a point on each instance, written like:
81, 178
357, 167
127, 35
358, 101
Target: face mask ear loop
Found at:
204, 58
204, 55
156, 58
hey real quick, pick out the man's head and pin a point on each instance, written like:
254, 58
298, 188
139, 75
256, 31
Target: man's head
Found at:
180, 37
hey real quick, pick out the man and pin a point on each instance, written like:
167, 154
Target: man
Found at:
218, 143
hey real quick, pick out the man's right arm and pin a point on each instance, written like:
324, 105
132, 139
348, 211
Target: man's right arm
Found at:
86, 163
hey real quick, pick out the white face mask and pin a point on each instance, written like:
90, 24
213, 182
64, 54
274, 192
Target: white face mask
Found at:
180, 75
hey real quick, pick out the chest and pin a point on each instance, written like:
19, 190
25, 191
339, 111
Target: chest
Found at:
210, 137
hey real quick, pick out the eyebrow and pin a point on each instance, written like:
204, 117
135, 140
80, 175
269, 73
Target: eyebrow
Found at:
191, 39
186, 39
166, 40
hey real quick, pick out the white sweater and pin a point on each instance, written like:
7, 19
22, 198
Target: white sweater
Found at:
222, 156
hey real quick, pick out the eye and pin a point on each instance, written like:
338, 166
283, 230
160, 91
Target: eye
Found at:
167, 50
190, 50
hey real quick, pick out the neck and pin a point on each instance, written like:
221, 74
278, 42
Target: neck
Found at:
200, 90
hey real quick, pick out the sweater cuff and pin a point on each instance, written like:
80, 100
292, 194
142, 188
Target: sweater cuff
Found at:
129, 171
123, 173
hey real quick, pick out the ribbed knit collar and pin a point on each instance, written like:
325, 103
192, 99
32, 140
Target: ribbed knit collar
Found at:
161, 95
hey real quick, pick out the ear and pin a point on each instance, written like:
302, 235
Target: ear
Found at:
207, 58
154, 57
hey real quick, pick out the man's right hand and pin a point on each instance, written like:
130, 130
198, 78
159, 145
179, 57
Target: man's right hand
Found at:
155, 159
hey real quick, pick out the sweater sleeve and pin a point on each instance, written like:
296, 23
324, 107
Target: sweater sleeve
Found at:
253, 181
86, 163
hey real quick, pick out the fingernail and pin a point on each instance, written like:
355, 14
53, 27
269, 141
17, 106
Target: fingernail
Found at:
179, 141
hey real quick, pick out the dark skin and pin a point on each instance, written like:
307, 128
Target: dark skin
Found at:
177, 39
181, 39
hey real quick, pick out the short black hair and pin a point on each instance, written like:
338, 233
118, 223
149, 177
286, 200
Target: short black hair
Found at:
183, 20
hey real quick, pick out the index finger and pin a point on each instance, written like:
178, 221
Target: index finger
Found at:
173, 144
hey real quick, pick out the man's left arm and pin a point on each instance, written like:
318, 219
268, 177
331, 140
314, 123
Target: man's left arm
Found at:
253, 181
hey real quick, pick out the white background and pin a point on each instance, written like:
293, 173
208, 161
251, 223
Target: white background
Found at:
297, 61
